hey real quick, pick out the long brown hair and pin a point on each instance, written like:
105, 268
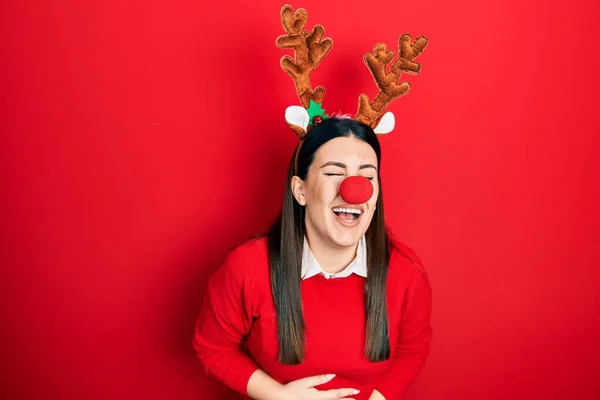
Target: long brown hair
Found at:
286, 240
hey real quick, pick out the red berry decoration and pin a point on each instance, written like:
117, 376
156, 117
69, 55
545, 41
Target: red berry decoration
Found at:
317, 120
356, 190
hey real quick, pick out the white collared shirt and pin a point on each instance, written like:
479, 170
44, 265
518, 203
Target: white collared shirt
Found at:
311, 267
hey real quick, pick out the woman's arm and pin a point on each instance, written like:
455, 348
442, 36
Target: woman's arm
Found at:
262, 387
412, 349
223, 323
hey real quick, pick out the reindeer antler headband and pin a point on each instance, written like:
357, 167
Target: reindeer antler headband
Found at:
309, 50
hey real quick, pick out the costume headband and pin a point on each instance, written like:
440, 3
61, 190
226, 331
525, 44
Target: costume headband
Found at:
309, 50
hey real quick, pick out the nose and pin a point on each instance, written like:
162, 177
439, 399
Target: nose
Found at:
356, 189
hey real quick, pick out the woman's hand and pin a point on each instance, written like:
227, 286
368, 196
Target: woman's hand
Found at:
376, 395
304, 389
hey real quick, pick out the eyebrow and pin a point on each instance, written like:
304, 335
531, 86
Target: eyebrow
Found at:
342, 165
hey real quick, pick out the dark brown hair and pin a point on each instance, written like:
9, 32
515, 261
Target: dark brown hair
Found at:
285, 244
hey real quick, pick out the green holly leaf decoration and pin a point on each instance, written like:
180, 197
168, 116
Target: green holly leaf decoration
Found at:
315, 109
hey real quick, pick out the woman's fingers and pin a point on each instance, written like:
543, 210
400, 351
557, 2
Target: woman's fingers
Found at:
313, 381
310, 382
336, 394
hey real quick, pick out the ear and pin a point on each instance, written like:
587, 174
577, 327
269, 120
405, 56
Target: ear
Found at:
297, 186
386, 124
297, 118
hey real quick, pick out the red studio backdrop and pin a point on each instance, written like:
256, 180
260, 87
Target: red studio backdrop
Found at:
141, 141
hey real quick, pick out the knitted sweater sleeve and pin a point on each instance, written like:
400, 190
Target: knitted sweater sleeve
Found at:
224, 320
412, 348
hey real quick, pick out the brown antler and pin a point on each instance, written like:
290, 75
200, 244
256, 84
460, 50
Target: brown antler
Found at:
309, 50
387, 82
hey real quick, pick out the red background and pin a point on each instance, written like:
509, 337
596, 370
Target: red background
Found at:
142, 140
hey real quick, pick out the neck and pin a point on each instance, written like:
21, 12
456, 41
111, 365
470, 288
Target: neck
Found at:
331, 258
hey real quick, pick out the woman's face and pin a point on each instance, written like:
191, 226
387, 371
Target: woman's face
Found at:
320, 191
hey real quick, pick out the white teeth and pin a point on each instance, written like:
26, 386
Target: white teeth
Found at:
348, 210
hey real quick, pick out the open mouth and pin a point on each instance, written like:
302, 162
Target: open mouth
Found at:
347, 214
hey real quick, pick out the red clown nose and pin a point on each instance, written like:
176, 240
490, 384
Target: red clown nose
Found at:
356, 190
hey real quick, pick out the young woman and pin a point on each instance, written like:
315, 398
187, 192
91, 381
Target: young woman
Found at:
326, 305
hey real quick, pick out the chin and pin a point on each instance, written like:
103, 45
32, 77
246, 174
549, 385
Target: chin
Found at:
348, 238
343, 236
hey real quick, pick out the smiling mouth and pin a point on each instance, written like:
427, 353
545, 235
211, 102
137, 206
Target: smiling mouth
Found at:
347, 214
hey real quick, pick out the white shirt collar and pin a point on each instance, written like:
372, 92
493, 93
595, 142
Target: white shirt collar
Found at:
310, 266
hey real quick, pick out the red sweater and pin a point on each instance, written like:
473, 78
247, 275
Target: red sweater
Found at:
236, 331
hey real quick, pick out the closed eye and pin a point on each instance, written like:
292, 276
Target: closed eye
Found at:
332, 174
